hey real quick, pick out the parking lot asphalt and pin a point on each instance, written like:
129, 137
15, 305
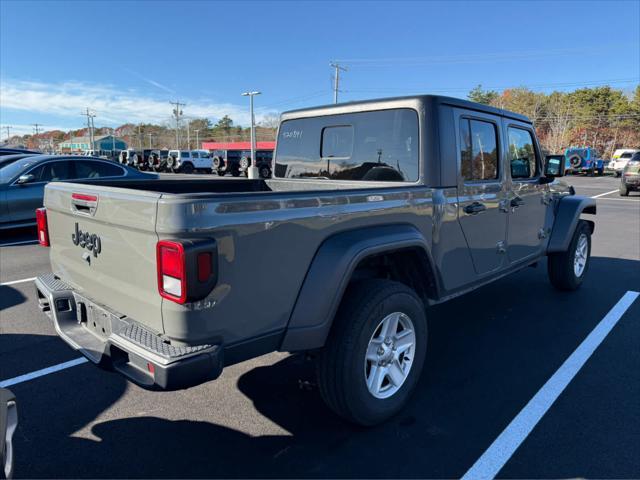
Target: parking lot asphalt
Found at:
489, 353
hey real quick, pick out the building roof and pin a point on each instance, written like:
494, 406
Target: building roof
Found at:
88, 139
238, 145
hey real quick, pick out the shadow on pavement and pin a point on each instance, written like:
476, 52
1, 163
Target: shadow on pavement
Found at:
9, 297
489, 352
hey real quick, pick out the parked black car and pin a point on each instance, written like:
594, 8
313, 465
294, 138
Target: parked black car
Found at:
22, 182
12, 151
630, 178
226, 161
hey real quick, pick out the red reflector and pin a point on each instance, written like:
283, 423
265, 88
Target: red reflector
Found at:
204, 266
43, 227
82, 196
151, 368
172, 277
171, 260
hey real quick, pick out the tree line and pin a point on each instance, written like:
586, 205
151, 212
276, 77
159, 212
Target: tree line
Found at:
601, 117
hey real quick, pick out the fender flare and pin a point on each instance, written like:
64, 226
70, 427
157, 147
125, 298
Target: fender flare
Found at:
330, 273
566, 219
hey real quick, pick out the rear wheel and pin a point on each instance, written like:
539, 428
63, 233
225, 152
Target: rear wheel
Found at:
235, 172
375, 352
187, 168
568, 269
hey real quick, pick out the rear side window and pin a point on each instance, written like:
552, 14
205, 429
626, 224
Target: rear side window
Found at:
369, 146
478, 150
184, 154
86, 169
522, 154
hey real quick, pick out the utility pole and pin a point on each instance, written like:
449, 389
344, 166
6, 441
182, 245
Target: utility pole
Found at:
139, 138
252, 171
188, 136
36, 128
150, 142
336, 79
197, 138
177, 113
8, 127
90, 116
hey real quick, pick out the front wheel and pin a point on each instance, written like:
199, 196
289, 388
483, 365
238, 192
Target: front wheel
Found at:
568, 269
265, 172
187, 168
374, 353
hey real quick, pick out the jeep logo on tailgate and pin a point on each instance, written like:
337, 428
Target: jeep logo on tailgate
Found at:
87, 240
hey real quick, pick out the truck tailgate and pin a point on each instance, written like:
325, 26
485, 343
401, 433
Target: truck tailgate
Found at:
113, 262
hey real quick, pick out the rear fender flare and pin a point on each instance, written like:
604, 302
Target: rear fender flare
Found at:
330, 273
566, 220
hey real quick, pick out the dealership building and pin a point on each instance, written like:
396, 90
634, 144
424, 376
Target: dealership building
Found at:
102, 142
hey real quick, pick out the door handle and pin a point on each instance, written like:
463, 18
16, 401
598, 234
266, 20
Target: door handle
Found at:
475, 208
517, 202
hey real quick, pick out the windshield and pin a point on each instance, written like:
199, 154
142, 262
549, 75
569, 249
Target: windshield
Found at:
626, 155
7, 172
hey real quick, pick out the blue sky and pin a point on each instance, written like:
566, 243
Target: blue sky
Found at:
127, 60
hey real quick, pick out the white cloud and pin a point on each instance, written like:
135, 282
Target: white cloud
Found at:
112, 105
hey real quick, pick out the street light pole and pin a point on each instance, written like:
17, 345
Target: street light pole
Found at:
252, 171
197, 138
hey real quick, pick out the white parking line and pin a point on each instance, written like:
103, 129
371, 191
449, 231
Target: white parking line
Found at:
41, 373
603, 194
503, 447
23, 242
13, 282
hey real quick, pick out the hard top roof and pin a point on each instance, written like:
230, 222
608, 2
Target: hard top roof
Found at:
383, 103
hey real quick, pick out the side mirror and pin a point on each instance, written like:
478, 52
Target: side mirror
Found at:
25, 179
554, 166
8, 424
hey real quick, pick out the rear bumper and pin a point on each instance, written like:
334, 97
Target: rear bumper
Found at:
126, 346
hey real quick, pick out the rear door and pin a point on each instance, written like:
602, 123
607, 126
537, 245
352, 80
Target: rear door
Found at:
121, 273
481, 189
528, 198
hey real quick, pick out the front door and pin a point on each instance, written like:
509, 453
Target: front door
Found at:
481, 190
528, 198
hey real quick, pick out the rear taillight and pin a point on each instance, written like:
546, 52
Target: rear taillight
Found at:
186, 269
172, 278
43, 228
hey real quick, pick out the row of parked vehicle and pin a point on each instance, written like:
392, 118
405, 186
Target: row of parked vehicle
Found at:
587, 160
221, 162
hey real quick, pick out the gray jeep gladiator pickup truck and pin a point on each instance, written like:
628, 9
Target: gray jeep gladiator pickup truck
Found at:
376, 211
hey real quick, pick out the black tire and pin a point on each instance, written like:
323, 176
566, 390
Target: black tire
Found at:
221, 173
617, 174
624, 191
235, 173
187, 168
265, 172
341, 365
561, 265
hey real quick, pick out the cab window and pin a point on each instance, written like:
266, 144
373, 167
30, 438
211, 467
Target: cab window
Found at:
522, 153
478, 150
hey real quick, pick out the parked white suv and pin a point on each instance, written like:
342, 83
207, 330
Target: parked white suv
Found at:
189, 161
619, 160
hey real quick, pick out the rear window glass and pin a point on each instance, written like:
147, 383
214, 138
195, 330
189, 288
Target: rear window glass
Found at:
370, 146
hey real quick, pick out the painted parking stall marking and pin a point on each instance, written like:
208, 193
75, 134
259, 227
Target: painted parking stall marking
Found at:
15, 282
503, 447
41, 373
604, 194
